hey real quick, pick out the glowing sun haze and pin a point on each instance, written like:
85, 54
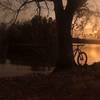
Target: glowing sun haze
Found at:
94, 5
31, 11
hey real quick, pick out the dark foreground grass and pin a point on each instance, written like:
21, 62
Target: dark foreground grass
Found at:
74, 84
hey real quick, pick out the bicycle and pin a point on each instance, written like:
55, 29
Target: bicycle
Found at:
80, 57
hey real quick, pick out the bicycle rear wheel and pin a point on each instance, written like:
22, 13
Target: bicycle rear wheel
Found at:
75, 55
82, 59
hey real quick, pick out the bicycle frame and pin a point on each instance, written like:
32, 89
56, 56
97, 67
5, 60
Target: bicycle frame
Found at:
77, 50
79, 56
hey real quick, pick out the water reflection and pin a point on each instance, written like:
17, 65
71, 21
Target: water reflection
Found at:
93, 53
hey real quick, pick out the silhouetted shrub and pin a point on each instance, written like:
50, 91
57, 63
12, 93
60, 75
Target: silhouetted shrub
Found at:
33, 41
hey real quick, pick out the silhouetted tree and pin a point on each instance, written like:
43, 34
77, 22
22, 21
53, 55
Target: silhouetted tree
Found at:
64, 17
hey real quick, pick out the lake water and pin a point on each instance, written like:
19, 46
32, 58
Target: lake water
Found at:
93, 53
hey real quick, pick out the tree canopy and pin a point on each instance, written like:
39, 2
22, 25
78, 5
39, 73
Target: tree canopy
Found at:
12, 9
64, 16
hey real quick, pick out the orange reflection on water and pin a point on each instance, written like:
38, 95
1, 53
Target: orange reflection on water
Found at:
93, 52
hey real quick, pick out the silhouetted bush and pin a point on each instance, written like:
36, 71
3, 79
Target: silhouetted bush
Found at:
33, 41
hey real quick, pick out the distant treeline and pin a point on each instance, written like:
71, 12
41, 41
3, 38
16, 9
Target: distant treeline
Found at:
34, 40
39, 28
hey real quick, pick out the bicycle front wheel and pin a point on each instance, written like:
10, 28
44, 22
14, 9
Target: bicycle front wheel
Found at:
82, 59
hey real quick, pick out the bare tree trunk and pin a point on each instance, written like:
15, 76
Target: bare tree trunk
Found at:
65, 51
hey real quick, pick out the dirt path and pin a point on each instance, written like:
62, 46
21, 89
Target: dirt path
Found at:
70, 85
11, 70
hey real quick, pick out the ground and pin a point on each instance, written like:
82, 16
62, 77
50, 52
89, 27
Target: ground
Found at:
74, 84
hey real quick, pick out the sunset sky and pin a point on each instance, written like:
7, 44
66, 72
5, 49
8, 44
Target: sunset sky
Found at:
94, 5
28, 13
31, 10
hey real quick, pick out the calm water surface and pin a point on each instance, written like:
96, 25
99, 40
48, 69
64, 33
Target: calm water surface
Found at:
93, 52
